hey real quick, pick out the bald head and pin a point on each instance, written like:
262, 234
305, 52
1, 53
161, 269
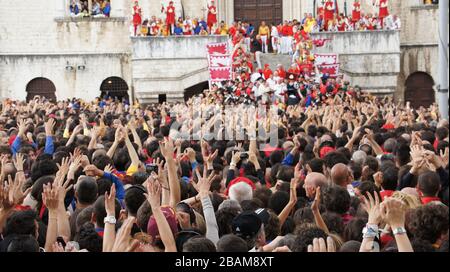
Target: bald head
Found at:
340, 175
312, 181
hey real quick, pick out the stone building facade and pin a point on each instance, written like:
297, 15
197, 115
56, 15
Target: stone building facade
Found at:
42, 47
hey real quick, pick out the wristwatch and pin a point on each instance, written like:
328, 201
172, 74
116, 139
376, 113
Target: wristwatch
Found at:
399, 231
110, 220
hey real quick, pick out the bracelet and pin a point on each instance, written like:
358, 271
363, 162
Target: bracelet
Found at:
18, 171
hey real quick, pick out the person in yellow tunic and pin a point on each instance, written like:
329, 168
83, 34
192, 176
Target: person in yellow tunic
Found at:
223, 28
264, 32
309, 23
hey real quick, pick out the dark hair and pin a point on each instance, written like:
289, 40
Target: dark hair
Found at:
353, 229
278, 201
305, 237
199, 244
251, 205
441, 133
333, 158
272, 228
336, 199
350, 246
429, 222
390, 179
316, 165
88, 238
143, 215
419, 245
87, 190
231, 243
263, 194
429, 183
303, 215
334, 222
100, 211
224, 217
22, 223
23, 243
134, 197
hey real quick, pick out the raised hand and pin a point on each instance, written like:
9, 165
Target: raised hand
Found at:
110, 201
50, 198
124, 241
49, 126
204, 182
319, 245
154, 192
372, 207
167, 149
18, 162
393, 212
108, 169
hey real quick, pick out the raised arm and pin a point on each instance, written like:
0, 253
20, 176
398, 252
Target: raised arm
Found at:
109, 235
154, 198
167, 150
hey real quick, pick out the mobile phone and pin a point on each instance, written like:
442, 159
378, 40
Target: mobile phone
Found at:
61, 241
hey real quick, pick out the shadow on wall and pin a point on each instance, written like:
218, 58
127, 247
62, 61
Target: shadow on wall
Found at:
195, 90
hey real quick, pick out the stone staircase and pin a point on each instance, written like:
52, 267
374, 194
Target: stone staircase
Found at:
274, 59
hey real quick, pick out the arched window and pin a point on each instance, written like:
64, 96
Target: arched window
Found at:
114, 87
42, 87
419, 90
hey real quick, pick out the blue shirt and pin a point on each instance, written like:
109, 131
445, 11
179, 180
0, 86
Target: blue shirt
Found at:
178, 31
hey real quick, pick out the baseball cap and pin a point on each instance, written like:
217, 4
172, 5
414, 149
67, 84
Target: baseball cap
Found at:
169, 214
246, 224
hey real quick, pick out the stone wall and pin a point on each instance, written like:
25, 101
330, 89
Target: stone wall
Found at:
370, 59
16, 71
169, 65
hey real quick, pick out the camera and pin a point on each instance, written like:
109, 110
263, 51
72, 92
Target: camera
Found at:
150, 168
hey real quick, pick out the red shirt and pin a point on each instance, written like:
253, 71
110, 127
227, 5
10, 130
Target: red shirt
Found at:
329, 14
356, 14
267, 73
384, 12
386, 193
426, 200
281, 73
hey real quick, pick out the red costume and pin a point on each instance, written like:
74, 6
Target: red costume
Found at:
287, 31
137, 18
329, 11
170, 14
356, 14
384, 12
281, 72
320, 11
267, 72
212, 15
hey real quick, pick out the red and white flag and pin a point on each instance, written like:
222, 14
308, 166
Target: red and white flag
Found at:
331, 69
320, 59
217, 48
218, 74
219, 60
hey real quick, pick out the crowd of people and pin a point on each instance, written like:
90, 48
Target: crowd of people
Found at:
283, 160
80, 8
226, 171
278, 36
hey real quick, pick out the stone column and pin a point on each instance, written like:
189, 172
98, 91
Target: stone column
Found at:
90, 7
225, 10
62, 8
117, 8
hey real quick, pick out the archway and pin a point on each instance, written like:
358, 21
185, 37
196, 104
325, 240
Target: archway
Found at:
419, 90
41, 86
114, 87
195, 90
